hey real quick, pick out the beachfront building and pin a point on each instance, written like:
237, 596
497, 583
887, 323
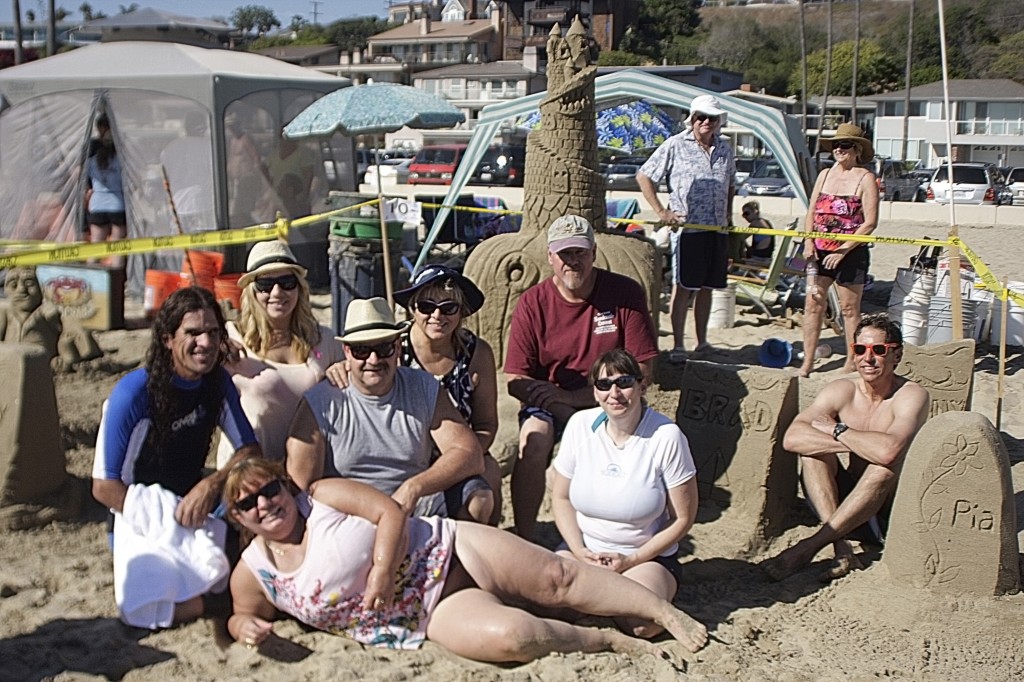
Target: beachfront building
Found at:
987, 116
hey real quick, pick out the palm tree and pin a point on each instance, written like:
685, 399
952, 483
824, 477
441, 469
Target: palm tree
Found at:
856, 63
828, 71
906, 93
51, 29
19, 54
86, 10
803, 67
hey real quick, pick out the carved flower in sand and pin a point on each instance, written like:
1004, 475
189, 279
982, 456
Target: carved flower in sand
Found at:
959, 455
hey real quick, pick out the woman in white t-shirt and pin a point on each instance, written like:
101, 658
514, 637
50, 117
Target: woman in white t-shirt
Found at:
283, 350
625, 488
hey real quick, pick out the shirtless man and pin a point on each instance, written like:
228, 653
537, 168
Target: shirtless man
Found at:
874, 417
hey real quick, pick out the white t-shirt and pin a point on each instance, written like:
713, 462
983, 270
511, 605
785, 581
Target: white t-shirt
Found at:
620, 495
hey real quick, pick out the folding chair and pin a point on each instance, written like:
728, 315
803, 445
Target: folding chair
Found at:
773, 285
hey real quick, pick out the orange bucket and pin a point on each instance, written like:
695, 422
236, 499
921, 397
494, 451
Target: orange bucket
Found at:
205, 265
225, 288
159, 285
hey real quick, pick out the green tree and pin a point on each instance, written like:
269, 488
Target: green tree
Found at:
86, 10
256, 18
297, 23
127, 9
353, 34
1005, 60
619, 58
878, 72
659, 25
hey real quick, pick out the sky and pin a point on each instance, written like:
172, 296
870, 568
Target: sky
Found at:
328, 10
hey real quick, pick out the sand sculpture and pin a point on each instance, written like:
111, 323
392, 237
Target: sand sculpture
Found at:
734, 418
953, 526
946, 370
562, 177
27, 318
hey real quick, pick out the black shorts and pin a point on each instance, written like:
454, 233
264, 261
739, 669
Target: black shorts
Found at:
672, 565
701, 260
107, 218
874, 529
853, 269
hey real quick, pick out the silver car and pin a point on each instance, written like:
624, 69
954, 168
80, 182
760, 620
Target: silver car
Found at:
1015, 183
973, 183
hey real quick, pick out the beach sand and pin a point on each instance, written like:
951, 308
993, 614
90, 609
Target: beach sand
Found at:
58, 620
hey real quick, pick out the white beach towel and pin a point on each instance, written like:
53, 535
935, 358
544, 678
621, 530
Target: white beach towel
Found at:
159, 563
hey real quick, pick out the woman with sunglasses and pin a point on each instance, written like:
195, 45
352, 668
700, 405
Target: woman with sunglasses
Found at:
438, 301
283, 350
625, 487
844, 201
345, 558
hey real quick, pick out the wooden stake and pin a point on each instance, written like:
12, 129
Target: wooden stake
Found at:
1001, 383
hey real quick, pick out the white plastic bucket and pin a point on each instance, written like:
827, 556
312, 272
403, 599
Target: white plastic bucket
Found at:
908, 302
1014, 319
913, 319
723, 307
940, 319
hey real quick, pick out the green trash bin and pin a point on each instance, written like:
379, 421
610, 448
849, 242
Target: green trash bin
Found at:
363, 227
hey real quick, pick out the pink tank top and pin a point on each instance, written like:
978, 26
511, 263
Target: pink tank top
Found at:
839, 214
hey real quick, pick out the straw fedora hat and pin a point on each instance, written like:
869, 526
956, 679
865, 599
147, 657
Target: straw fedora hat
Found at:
369, 321
269, 256
853, 133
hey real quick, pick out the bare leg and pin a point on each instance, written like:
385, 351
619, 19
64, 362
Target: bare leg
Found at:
478, 507
536, 439
814, 313
492, 474
117, 233
658, 580
677, 311
701, 315
188, 610
475, 624
849, 307
516, 571
873, 487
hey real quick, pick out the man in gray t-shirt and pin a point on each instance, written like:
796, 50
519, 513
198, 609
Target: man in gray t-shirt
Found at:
380, 429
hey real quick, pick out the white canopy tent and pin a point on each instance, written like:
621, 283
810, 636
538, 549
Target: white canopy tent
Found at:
169, 105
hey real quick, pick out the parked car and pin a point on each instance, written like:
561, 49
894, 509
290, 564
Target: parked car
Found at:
502, 164
973, 183
368, 157
744, 167
1015, 183
392, 172
621, 176
767, 180
895, 181
436, 164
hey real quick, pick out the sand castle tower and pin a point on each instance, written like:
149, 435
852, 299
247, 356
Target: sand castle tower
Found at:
562, 177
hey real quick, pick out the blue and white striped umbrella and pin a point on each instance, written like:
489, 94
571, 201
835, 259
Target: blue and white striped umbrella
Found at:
373, 109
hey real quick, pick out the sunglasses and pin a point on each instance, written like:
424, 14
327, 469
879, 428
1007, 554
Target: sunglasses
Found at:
625, 381
269, 491
383, 350
700, 118
265, 285
877, 349
844, 145
427, 307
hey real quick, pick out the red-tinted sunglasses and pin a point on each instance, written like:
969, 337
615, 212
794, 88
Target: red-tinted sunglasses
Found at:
877, 349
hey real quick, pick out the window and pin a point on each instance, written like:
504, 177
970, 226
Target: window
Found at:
936, 111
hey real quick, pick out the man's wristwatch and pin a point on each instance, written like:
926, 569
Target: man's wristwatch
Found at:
839, 429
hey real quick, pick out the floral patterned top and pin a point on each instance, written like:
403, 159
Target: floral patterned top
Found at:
459, 381
326, 591
837, 213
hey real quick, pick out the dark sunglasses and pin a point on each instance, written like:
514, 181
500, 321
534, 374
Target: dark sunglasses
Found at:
383, 350
877, 349
700, 118
268, 491
265, 285
844, 145
427, 307
625, 381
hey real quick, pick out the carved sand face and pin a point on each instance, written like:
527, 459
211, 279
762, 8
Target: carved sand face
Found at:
23, 290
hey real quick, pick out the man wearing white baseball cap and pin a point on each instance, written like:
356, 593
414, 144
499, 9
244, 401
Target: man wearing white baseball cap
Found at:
559, 328
700, 168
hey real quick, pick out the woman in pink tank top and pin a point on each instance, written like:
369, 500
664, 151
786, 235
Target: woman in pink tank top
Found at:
844, 201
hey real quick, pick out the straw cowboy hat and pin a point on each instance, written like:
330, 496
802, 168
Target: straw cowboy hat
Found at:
270, 256
440, 273
369, 321
853, 133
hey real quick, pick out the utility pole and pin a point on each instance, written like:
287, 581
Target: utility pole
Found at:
316, 10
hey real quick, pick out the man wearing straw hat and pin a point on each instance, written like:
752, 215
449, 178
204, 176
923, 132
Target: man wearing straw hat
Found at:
873, 417
700, 168
381, 428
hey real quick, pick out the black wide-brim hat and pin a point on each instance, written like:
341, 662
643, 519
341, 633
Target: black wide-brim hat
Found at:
440, 273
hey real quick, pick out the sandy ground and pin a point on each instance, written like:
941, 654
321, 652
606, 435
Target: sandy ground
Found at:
58, 621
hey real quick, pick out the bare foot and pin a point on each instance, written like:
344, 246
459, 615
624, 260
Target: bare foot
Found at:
784, 564
690, 633
624, 644
841, 566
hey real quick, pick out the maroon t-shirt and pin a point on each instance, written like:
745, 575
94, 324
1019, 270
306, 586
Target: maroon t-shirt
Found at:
558, 341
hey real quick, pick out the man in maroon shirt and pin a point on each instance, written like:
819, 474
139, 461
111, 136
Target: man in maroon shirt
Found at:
559, 328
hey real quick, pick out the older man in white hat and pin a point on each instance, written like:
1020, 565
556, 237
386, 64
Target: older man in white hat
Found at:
560, 327
700, 168
380, 428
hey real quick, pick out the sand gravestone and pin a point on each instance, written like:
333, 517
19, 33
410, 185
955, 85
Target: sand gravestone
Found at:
33, 473
734, 418
945, 370
953, 524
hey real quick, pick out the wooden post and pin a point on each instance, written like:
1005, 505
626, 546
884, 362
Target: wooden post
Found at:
1001, 383
956, 310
